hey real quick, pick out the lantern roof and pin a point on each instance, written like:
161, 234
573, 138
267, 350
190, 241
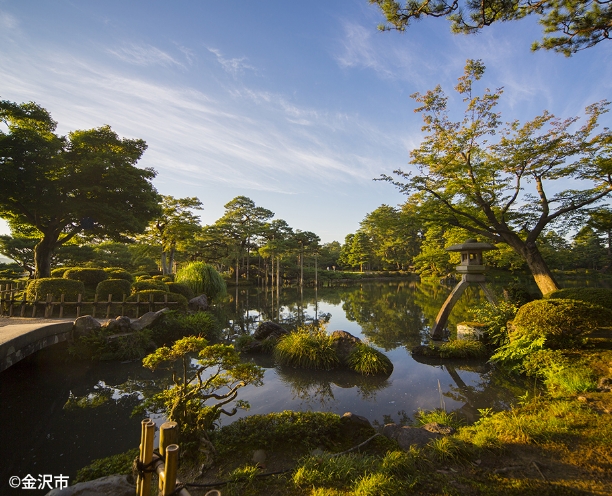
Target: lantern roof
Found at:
471, 245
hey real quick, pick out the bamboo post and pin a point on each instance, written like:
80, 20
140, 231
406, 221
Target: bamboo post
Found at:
95, 302
23, 306
48, 307
34, 305
61, 311
170, 469
143, 485
168, 434
78, 305
11, 302
108, 305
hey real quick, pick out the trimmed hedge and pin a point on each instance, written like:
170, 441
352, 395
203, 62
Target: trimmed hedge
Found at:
181, 288
158, 296
119, 273
60, 271
88, 276
149, 284
596, 296
55, 286
4, 282
562, 322
116, 287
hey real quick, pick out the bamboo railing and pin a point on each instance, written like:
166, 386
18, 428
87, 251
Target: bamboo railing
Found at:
13, 306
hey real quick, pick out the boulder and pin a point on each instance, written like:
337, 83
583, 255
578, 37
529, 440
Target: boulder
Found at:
147, 319
445, 430
198, 304
84, 326
352, 425
118, 326
111, 485
269, 329
408, 436
604, 384
344, 343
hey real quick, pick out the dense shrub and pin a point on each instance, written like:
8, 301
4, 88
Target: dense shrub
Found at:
202, 279
116, 287
4, 282
60, 271
175, 325
181, 288
596, 296
88, 276
56, 287
369, 361
148, 284
495, 319
141, 273
561, 322
119, 273
307, 347
158, 296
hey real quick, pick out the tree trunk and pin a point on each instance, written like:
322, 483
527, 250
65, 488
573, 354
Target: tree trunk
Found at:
539, 269
164, 263
42, 258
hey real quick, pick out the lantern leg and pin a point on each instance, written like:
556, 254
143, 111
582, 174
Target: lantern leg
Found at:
437, 331
488, 293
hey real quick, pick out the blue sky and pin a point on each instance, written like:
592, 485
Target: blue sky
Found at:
297, 105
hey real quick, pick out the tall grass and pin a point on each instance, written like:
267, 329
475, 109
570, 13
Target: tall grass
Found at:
202, 278
309, 347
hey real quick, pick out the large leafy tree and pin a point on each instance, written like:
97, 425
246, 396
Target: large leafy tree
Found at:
501, 190
569, 25
61, 186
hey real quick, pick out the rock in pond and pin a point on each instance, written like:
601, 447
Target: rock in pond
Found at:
198, 304
111, 485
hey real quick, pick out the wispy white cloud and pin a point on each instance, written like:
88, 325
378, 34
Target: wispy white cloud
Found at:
234, 66
7, 21
143, 55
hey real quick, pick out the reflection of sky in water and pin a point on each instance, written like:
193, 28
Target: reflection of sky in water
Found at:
411, 386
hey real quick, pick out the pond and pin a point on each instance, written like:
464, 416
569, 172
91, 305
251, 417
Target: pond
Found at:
58, 416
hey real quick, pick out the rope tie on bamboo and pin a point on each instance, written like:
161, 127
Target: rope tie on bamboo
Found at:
141, 468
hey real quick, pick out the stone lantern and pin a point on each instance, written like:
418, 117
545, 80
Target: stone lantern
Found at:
471, 269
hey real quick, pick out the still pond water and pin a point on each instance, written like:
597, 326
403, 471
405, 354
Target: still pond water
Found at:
42, 434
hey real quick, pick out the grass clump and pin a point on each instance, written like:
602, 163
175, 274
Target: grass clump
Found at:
439, 416
308, 347
367, 360
111, 465
202, 279
454, 349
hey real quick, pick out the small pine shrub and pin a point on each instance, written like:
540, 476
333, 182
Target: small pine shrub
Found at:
181, 288
202, 279
596, 296
55, 286
60, 271
115, 287
561, 322
309, 347
369, 361
119, 273
88, 276
143, 285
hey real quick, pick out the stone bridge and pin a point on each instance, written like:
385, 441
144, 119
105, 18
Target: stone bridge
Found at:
17, 341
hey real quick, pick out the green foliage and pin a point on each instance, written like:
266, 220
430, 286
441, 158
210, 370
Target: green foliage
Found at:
56, 287
439, 416
96, 346
512, 355
10, 282
198, 397
88, 276
115, 287
118, 273
174, 325
160, 296
181, 288
148, 284
202, 279
274, 431
60, 271
448, 449
595, 296
454, 349
308, 347
117, 464
561, 322
570, 380
495, 319
330, 471
367, 360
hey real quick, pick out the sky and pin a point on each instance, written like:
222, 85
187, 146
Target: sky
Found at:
296, 105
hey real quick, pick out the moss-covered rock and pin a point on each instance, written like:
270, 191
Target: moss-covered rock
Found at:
562, 322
